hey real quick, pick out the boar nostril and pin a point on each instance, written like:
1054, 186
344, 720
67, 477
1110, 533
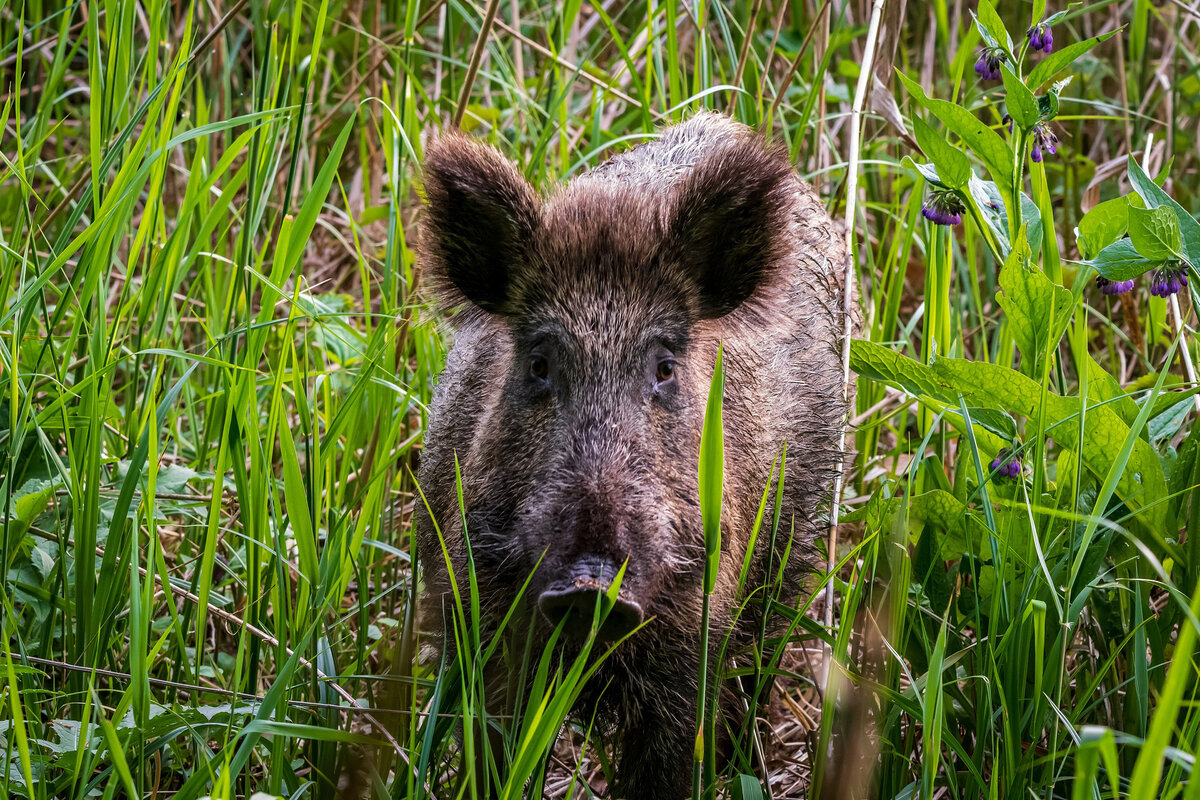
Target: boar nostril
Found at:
575, 605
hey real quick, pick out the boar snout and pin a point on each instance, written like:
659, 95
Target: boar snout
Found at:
574, 600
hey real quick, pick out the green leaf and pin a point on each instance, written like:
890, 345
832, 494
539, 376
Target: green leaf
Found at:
746, 787
27, 503
296, 495
1047, 105
964, 530
1103, 225
1022, 105
1039, 11
1057, 61
996, 155
1141, 483
1121, 261
1037, 309
953, 167
995, 214
991, 27
1058, 16
927, 171
998, 423
712, 472
1165, 424
1155, 232
1154, 196
1104, 387
929, 567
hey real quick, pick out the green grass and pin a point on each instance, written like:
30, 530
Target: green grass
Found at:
216, 352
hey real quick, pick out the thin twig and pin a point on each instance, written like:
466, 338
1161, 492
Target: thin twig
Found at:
485, 30
216, 29
795, 65
744, 53
860, 96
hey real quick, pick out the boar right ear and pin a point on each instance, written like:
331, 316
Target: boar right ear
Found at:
479, 218
730, 216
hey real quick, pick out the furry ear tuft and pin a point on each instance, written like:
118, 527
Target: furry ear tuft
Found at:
729, 221
480, 215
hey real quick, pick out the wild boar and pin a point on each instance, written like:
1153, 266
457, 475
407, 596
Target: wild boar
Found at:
585, 333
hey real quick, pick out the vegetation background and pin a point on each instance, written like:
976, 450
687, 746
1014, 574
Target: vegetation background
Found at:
215, 355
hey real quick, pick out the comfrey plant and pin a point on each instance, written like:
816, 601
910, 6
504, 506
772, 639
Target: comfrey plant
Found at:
1011, 548
1146, 233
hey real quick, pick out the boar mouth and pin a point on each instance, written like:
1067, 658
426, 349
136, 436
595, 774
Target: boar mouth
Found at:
573, 603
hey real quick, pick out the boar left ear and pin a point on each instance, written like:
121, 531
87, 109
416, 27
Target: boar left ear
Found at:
479, 218
729, 221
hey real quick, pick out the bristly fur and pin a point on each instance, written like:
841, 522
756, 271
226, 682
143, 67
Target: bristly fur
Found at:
704, 236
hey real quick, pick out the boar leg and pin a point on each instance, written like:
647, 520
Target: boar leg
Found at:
658, 743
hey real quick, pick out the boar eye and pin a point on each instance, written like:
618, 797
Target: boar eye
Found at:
539, 367
665, 370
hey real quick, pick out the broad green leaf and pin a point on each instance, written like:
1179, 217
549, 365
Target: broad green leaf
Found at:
1104, 387
995, 214
999, 423
1154, 197
1169, 399
1120, 261
927, 171
1057, 61
953, 166
1166, 423
1155, 232
1048, 105
1022, 105
882, 364
1039, 11
1059, 15
1103, 225
983, 141
27, 503
991, 27
1038, 310
989, 385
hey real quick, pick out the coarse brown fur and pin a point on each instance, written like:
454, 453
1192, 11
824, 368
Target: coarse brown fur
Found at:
701, 237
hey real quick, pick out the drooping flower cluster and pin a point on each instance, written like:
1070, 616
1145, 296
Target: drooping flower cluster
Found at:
1113, 287
988, 65
1006, 465
1168, 280
944, 207
1044, 141
1041, 38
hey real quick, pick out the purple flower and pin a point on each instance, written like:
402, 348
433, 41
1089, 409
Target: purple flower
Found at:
1113, 287
1044, 141
1041, 38
1006, 465
944, 207
988, 65
1168, 279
